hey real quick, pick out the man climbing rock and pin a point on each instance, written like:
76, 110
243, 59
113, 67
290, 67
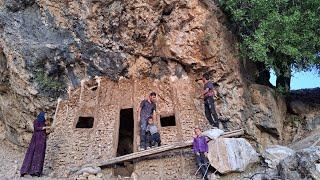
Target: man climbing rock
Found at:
210, 109
147, 109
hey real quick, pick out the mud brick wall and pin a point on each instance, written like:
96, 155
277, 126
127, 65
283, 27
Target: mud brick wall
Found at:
176, 166
69, 147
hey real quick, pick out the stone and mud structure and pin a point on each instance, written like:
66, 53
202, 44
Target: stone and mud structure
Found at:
102, 57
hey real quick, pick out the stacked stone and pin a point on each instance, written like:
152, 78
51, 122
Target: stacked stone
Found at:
90, 173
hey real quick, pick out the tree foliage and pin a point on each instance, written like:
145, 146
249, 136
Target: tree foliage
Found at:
283, 34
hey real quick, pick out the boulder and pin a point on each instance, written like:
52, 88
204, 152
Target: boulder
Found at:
231, 154
99, 175
81, 178
268, 111
273, 155
89, 170
213, 176
213, 133
92, 177
311, 139
318, 167
85, 174
313, 123
134, 176
303, 164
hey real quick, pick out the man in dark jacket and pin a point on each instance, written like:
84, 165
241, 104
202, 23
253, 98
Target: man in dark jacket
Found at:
207, 94
147, 109
210, 110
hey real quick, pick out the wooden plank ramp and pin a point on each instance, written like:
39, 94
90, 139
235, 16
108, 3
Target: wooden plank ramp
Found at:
160, 149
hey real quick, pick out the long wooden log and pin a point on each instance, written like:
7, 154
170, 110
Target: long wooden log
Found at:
160, 149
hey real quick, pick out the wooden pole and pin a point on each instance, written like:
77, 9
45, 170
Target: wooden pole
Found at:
161, 149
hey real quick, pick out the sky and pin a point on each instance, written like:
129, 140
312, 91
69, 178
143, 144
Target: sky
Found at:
301, 80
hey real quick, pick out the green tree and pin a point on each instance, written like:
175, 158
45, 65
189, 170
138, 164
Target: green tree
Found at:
282, 34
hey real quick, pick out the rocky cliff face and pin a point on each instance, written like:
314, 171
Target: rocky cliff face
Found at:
48, 47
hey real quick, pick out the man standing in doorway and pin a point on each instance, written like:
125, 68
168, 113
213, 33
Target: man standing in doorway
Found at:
207, 94
147, 109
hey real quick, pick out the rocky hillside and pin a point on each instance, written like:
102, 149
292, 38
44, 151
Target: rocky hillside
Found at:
48, 47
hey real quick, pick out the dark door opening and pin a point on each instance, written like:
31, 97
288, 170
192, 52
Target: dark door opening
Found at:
125, 141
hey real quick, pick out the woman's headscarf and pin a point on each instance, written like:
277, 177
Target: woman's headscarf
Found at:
41, 117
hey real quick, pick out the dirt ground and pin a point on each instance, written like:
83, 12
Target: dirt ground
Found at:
11, 160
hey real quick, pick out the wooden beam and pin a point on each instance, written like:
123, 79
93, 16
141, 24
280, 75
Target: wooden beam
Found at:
160, 149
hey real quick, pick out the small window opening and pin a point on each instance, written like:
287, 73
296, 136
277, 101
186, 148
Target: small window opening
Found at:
168, 121
85, 122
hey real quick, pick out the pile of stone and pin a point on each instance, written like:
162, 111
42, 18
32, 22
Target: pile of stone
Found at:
285, 163
229, 155
90, 173
304, 164
274, 154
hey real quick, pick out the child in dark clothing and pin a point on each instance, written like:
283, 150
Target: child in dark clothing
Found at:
154, 135
200, 148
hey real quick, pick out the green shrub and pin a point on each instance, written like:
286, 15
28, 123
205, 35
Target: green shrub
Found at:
48, 83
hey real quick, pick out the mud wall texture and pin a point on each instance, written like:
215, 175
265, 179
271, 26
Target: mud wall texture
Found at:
179, 166
102, 99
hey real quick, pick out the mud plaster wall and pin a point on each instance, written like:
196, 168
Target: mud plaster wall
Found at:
69, 147
178, 166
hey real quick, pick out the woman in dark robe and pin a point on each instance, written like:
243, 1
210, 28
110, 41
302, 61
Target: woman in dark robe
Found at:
34, 159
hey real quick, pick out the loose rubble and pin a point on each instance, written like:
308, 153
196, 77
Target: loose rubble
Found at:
273, 155
304, 164
90, 173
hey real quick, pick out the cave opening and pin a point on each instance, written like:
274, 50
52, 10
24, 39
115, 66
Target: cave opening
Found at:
125, 142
